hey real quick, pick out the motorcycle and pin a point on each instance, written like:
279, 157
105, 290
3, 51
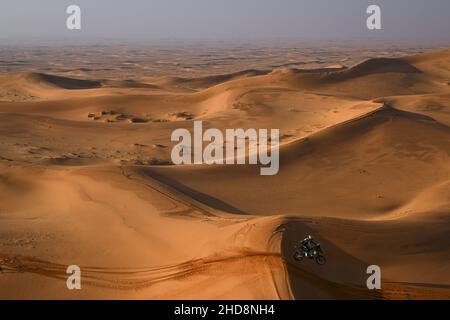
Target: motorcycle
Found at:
316, 253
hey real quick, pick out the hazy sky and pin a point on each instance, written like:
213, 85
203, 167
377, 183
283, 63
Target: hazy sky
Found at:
225, 19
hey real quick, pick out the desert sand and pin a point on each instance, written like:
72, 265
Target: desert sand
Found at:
86, 179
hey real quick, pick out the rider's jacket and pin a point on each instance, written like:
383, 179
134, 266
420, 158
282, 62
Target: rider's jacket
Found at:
308, 244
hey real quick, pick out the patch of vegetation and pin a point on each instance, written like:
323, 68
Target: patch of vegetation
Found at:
111, 116
138, 120
185, 115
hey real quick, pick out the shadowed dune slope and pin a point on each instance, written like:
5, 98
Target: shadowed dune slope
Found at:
62, 82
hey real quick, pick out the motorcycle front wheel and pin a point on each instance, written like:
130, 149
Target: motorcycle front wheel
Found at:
321, 260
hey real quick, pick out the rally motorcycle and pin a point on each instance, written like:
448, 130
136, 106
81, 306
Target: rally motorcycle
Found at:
316, 253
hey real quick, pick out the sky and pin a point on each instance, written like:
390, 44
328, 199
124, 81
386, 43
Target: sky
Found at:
225, 19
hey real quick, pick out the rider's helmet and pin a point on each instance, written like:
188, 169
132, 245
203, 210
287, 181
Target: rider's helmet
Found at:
309, 237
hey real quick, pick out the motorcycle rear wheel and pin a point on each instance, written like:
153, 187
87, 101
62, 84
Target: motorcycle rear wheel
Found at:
298, 256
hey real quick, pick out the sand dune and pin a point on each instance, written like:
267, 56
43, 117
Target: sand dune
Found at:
86, 178
193, 84
60, 82
375, 150
32, 86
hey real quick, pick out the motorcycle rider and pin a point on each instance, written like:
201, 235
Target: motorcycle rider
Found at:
308, 245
